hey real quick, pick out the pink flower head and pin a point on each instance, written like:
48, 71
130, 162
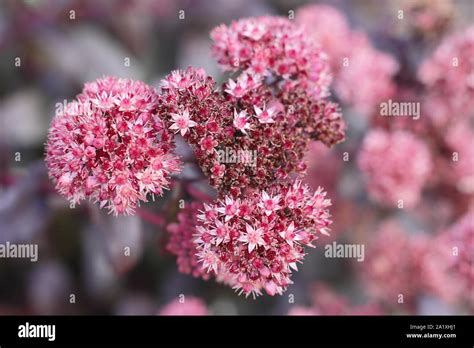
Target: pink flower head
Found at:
329, 27
393, 266
448, 263
275, 140
395, 165
107, 146
276, 47
449, 78
259, 250
186, 306
182, 122
367, 80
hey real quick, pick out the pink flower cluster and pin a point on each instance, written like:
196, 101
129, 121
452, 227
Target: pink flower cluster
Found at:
398, 263
395, 166
393, 266
363, 75
118, 148
449, 79
327, 26
188, 306
447, 110
254, 235
270, 48
448, 264
256, 241
108, 146
368, 79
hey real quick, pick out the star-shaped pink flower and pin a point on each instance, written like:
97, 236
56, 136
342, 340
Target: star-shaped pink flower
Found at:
182, 122
269, 204
264, 116
241, 121
253, 237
